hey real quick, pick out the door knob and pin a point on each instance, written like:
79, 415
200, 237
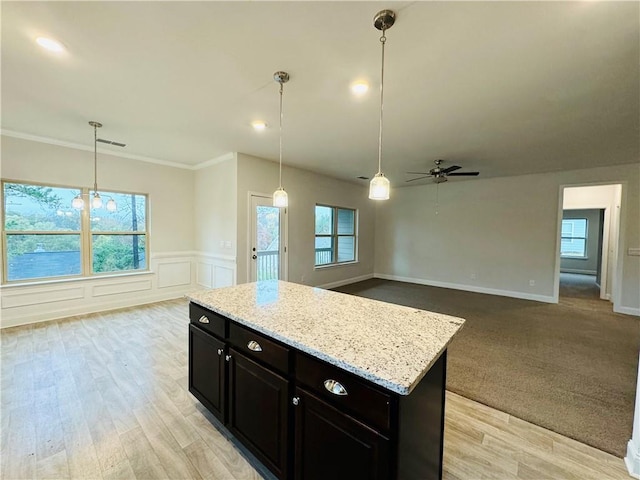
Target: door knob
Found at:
254, 256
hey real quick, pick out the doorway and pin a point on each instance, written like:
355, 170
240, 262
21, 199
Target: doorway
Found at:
588, 253
268, 250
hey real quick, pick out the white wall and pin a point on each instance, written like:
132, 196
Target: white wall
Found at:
305, 189
170, 226
502, 231
216, 219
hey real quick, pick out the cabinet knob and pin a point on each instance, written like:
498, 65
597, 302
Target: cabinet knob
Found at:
220, 351
203, 319
254, 346
227, 358
296, 401
335, 387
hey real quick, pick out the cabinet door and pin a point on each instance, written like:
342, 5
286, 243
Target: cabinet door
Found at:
258, 411
207, 371
330, 444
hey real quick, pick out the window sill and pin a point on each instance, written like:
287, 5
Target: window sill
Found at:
330, 265
37, 283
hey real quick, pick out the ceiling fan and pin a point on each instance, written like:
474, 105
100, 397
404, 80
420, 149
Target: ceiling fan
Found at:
440, 174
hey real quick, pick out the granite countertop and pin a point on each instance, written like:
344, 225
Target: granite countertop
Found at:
391, 345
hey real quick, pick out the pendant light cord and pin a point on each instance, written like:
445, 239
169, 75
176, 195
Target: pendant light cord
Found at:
95, 159
383, 39
280, 179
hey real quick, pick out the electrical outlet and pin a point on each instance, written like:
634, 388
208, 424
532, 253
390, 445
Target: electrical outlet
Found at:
532, 283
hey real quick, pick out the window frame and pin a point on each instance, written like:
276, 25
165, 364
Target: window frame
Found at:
335, 235
584, 256
85, 233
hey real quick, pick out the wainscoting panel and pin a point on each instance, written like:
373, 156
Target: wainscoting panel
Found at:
171, 275
41, 295
204, 274
215, 271
174, 274
121, 287
223, 276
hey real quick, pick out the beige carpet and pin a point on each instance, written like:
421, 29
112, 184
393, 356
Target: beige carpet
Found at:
570, 367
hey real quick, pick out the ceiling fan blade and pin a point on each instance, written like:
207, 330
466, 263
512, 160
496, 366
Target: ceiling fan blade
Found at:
450, 169
464, 174
418, 173
418, 178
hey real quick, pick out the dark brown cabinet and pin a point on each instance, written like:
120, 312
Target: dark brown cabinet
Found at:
305, 418
207, 370
330, 444
258, 411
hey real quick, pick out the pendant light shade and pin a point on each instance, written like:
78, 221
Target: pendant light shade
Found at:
111, 205
96, 201
77, 202
280, 197
380, 186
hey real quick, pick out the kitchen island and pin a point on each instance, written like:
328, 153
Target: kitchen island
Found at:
320, 384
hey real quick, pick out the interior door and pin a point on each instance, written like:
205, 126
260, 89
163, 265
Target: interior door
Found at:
267, 249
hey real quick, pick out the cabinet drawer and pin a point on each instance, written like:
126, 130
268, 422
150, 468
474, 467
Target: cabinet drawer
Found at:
257, 346
208, 320
345, 391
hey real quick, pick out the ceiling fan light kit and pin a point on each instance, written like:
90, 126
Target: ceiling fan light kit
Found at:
380, 186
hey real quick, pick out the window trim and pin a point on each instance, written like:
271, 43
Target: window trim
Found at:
335, 236
85, 233
584, 256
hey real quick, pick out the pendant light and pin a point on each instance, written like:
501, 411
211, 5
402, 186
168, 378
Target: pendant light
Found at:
280, 198
379, 186
96, 201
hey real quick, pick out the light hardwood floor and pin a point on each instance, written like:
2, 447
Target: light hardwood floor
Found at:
105, 396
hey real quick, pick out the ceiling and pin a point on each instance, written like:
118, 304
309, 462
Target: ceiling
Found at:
505, 88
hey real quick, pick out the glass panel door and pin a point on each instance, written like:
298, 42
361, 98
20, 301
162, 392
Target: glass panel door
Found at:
267, 245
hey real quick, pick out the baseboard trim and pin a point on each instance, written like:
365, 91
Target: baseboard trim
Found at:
632, 460
469, 288
627, 310
347, 281
578, 271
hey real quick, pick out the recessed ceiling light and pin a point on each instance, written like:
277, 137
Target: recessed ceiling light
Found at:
50, 44
258, 125
359, 88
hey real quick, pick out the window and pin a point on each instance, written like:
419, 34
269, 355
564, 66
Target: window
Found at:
45, 237
335, 235
573, 242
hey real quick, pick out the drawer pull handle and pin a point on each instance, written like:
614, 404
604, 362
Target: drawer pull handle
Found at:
203, 319
335, 387
254, 346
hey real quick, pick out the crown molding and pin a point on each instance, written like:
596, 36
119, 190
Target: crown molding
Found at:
77, 146
222, 158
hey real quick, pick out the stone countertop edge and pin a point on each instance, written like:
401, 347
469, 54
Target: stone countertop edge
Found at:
403, 388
